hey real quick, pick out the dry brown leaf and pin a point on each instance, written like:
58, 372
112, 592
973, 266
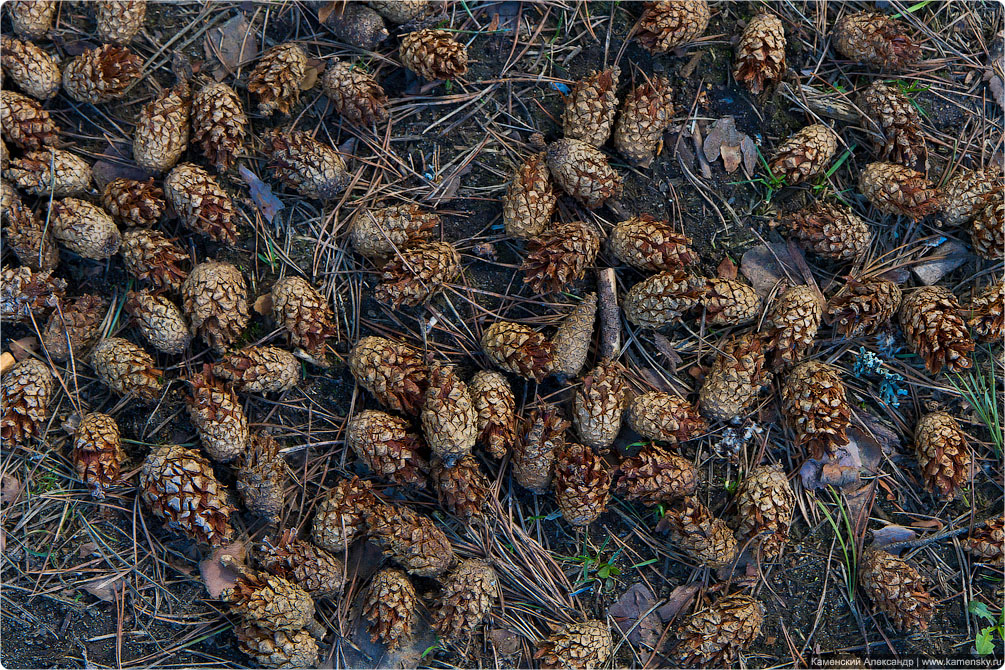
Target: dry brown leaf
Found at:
215, 574
726, 269
10, 488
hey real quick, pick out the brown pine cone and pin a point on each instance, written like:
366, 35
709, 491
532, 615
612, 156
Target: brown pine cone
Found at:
791, 326
466, 598
97, 452
33, 70
495, 412
261, 478
729, 302
866, 307
571, 341
943, 455
178, 485
25, 294
987, 230
388, 446
703, 537
655, 476
339, 518
664, 417
379, 232
530, 199
963, 196
896, 589
874, 39
312, 568
277, 649
306, 315
583, 172
25, 123
815, 407
934, 329
645, 116
127, 369
271, 602
276, 78
4, 154
50, 172
648, 243
259, 369
159, 321
215, 300
150, 256
661, 300
986, 543
162, 129
417, 273
24, 393
462, 489
715, 636
590, 107
390, 605
804, 155
216, 412
560, 256
433, 54
84, 229
582, 484
119, 21
32, 19
311, 168
392, 371
102, 74
412, 540
133, 203
759, 60
737, 376
542, 434
895, 189
29, 237
400, 11
666, 25
577, 645
987, 314
828, 230
899, 125
219, 124
355, 94
516, 348
74, 327
764, 504
201, 203
599, 404
449, 422
356, 24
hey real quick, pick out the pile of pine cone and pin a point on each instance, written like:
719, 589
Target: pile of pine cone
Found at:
431, 420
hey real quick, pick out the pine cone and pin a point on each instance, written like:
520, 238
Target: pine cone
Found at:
380, 232
590, 107
963, 196
791, 326
577, 645
50, 172
102, 74
987, 314
462, 489
655, 476
84, 229
215, 301
647, 243
874, 39
715, 636
392, 371
276, 78
662, 299
899, 125
97, 452
986, 543
277, 649
815, 407
313, 569
410, 539
32, 19
201, 203
33, 70
764, 504
25, 123
583, 172
24, 393
582, 484
271, 602
598, 405
560, 256
987, 230
495, 412
934, 329
25, 294
339, 518
390, 605
703, 537
467, 596
417, 273
4, 152
449, 422
133, 203
804, 154
29, 238
306, 315
664, 26
943, 454
543, 433
760, 54
150, 256
828, 230
516, 348
219, 124
865, 308
162, 129
127, 369
571, 342
737, 376
433, 54
400, 11
178, 485
355, 94
309, 167
896, 589
159, 321
259, 369
388, 446
665, 417
216, 412
261, 478
356, 24
530, 199
895, 189
645, 116
118, 21
729, 302
74, 327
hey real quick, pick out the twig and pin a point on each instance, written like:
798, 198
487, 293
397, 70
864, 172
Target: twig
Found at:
610, 318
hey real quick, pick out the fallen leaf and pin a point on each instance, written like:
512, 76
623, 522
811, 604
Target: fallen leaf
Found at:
104, 172
749, 151
263, 305
10, 488
87, 549
633, 613
928, 523
726, 269
504, 641
215, 574
945, 258
666, 348
767, 264
266, 201
105, 589
891, 533
23, 348
310, 79
860, 504
869, 449
231, 44
326, 11
841, 471
678, 600
725, 141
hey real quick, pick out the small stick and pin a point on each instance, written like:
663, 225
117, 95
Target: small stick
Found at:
610, 317
896, 547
